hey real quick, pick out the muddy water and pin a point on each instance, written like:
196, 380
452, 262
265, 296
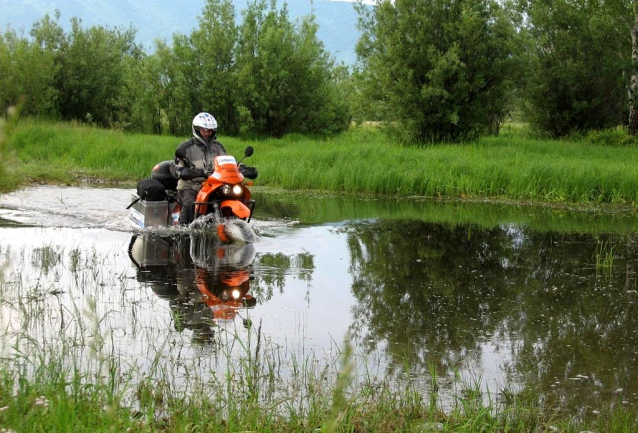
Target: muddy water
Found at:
510, 298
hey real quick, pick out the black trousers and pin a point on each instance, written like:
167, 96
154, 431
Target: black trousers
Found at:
186, 198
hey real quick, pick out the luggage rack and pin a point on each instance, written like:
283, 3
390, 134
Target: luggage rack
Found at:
145, 214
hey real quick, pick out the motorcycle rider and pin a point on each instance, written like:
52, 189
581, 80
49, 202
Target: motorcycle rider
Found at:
194, 161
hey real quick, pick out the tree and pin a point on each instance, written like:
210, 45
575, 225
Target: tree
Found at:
177, 85
633, 86
279, 79
92, 72
28, 68
625, 13
285, 76
214, 43
575, 81
436, 70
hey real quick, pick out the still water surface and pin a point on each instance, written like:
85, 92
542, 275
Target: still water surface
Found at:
509, 298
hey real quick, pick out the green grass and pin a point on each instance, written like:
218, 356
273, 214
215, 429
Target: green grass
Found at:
362, 161
45, 391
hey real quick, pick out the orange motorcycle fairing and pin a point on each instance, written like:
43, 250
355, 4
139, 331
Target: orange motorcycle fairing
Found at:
228, 204
226, 171
237, 208
201, 202
236, 279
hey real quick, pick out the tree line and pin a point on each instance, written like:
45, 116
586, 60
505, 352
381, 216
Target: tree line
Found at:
429, 70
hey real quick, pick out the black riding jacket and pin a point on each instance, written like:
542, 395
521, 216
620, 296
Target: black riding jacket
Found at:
196, 155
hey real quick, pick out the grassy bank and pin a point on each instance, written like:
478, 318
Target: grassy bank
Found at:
46, 390
363, 161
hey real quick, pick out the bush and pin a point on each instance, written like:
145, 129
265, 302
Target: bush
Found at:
611, 137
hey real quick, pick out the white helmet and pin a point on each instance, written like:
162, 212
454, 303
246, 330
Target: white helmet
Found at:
206, 121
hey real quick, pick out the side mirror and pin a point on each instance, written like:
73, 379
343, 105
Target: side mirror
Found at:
248, 151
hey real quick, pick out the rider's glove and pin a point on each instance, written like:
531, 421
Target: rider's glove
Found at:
248, 172
210, 169
188, 173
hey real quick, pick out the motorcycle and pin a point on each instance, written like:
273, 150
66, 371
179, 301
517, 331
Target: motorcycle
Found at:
223, 201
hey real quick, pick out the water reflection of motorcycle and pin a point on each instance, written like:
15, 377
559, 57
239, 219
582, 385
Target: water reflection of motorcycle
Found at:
224, 200
233, 294
206, 282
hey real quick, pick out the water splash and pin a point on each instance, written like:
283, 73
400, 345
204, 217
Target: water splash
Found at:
236, 230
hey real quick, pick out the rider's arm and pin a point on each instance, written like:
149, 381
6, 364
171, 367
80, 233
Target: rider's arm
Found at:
183, 167
188, 173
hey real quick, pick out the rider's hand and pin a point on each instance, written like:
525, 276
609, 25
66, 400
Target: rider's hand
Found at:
248, 172
188, 173
210, 169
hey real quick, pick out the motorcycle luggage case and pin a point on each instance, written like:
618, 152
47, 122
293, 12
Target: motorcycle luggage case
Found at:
164, 172
146, 214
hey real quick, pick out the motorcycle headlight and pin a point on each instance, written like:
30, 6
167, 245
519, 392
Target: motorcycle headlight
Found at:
237, 190
226, 189
236, 294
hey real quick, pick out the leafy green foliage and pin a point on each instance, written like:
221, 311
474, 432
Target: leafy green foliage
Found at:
578, 66
213, 64
610, 137
429, 70
28, 71
439, 70
285, 77
2, 153
92, 72
267, 76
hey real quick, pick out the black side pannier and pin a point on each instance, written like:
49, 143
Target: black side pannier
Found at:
151, 190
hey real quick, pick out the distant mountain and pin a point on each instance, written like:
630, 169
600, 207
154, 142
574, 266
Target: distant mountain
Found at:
162, 18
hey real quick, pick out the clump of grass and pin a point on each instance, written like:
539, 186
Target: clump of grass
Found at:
2, 149
520, 169
66, 401
69, 152
605, 254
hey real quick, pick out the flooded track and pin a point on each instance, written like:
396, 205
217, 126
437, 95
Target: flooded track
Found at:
510, 298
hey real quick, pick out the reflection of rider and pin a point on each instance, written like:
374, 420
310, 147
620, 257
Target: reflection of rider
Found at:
189, 309
194, 160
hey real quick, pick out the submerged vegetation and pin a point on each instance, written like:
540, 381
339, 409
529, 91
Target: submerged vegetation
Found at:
361, 161
44, 388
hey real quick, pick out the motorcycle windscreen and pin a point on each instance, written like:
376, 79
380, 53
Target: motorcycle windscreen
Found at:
237, 208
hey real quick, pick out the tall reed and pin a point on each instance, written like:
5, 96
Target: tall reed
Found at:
359, 161
56, 385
